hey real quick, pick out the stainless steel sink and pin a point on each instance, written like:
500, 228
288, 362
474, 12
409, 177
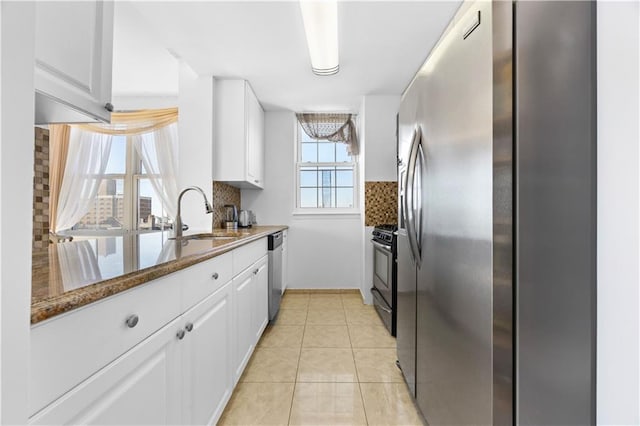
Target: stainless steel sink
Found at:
204, 237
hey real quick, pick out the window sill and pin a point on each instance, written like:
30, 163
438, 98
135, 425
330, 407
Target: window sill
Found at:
326, 212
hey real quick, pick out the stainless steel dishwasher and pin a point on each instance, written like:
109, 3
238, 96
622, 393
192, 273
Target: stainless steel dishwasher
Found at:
275, 273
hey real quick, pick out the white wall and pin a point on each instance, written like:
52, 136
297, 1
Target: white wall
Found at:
618, 355
17, 34
195, 139
142, 66
132, 103
324, 250
378, 137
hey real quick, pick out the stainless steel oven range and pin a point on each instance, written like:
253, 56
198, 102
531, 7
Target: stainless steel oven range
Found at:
384, 288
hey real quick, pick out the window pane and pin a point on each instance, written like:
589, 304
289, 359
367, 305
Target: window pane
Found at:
327, 176
107, 209
308, 197
309, 152
116, 164
308, 177
341, 153
326, 152
344, 177
151, 214
326, 197
344, 197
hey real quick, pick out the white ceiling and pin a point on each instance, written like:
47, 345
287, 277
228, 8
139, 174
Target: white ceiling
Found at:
142, 66
382, 45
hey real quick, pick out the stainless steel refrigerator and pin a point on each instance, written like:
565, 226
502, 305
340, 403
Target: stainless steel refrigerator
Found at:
497, 226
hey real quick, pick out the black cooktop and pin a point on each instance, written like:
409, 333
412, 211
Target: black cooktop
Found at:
390, 227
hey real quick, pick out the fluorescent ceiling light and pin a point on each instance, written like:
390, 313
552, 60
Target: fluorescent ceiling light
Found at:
321, 26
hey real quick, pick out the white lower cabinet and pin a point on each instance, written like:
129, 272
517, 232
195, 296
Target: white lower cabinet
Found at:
251, 308
243, 298
140, 387
206, 361
261, 297
182, 373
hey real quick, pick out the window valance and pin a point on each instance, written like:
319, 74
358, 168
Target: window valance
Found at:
330, 126
134, 122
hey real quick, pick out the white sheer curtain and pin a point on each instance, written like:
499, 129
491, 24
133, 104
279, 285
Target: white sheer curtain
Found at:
86, 163
158, 151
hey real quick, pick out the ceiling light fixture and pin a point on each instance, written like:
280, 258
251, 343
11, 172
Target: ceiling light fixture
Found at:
320, 19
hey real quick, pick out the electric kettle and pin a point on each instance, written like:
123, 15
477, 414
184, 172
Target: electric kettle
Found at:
231, 216
244, 219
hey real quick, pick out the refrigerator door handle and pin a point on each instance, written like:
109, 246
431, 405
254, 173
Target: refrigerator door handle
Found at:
409, 202
417, 185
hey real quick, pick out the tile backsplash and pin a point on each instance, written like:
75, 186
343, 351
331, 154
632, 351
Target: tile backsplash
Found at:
223, 194
41, 189
380, 203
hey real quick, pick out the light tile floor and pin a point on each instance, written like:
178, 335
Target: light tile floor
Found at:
327, 360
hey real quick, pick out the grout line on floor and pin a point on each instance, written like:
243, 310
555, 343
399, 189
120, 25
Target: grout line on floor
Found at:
355, 366
295, 384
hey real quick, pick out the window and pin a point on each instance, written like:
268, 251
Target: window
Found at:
326, 175
126, 199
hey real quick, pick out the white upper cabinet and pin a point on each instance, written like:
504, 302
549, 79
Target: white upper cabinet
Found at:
74, 50
239, 135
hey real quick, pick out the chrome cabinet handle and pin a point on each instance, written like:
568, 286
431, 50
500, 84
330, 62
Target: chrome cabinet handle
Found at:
132, 321
256, 271
180, 334
188, 327
215, 276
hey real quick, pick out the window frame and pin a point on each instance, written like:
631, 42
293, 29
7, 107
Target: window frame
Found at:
298, 210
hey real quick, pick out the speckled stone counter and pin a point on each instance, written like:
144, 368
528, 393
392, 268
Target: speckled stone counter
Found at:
69, 275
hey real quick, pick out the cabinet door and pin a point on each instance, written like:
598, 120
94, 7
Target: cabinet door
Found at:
255, 140
261, 296
207, 354
140, 387
74, 50
243, 306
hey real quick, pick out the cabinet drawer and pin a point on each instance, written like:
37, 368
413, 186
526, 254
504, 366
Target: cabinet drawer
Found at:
70, 348
202, 279
247, 255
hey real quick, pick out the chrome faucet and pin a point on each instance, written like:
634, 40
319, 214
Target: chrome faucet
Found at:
178, 222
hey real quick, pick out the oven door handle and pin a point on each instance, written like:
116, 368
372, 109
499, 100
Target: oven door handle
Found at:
381, 246
387, 310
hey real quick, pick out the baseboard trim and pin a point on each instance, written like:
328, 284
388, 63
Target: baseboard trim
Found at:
322, 291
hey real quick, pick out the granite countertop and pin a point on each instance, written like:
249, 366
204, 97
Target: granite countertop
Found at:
66, 276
